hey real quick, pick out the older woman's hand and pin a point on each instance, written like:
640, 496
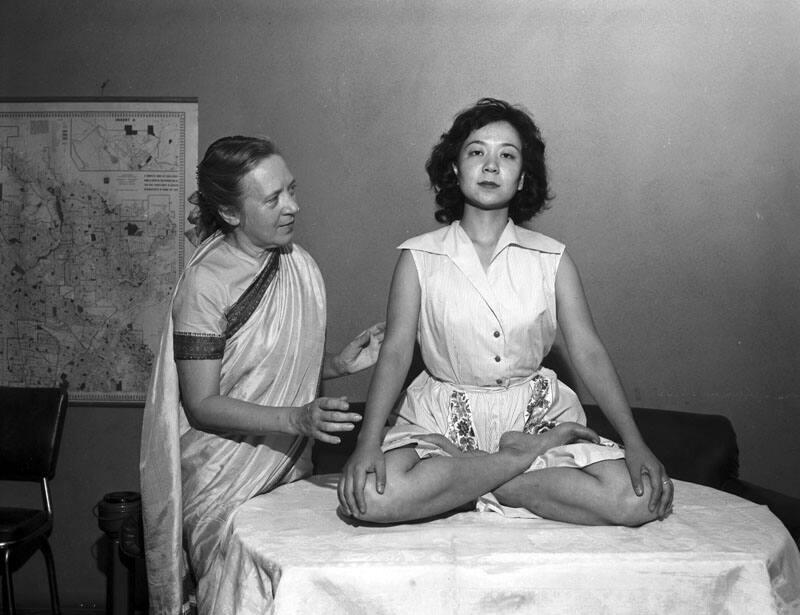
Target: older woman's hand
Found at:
321, 416
361, 353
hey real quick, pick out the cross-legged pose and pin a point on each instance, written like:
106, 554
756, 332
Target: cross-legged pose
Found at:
484, 297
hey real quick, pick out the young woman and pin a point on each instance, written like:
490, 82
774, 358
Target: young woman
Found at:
485, 421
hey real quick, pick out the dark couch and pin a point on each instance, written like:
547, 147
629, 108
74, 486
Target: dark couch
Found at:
699, 448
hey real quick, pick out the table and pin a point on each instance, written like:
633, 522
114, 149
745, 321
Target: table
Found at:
289, 553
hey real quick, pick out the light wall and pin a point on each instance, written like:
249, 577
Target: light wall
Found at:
672, 131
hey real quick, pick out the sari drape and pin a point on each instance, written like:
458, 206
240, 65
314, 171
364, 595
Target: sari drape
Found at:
192, 480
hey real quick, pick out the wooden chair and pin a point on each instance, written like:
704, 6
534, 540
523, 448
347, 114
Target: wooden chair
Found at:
31, 422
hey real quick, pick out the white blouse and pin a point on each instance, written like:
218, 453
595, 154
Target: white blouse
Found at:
487, 328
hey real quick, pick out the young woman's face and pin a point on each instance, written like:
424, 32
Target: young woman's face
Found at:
265, 218
489, 166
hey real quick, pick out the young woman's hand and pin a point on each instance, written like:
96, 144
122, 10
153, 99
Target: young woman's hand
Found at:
366, 459
322, 417
643, 463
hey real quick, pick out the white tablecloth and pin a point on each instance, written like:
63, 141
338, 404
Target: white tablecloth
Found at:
289, 553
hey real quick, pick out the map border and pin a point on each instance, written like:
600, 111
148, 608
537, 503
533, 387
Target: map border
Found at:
188, 106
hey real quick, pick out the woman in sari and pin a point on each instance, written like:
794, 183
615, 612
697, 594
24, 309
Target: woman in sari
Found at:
232, 410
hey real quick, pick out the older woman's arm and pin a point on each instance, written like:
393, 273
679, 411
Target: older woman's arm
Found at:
207, 410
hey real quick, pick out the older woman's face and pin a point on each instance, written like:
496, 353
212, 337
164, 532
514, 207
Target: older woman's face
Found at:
265, 218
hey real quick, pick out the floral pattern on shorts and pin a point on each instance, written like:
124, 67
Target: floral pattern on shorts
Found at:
460, 430
538, 407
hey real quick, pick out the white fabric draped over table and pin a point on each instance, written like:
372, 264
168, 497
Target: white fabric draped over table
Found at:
289, 553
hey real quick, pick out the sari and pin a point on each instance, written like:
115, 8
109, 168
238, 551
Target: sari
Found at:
271, 344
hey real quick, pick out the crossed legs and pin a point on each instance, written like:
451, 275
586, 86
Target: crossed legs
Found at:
420, 488
599, 494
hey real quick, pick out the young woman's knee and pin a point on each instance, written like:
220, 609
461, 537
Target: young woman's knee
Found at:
391, 505
633, 510
380, 507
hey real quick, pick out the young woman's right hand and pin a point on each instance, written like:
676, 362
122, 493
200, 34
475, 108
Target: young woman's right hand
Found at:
323, 415
366, 459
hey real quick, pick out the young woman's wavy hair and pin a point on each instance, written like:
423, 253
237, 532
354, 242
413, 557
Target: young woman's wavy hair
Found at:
527, 202
219, 179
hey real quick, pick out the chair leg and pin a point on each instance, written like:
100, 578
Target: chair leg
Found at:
8, 587
51, 576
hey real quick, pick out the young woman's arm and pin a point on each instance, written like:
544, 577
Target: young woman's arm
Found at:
387, 381
594, 366
207, 410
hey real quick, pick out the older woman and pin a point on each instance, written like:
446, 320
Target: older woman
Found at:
232, 409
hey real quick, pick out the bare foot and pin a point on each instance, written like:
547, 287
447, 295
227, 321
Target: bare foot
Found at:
522, 447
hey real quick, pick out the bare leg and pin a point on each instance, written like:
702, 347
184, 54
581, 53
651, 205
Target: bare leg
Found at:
419, 488
599, 494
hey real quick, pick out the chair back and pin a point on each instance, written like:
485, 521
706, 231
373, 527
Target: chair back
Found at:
31, 422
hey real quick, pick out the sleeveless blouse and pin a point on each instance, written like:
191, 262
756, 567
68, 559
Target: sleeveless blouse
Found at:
483, 334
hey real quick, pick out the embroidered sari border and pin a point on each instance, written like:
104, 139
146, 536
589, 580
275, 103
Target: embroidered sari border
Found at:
197, 346
240, 312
